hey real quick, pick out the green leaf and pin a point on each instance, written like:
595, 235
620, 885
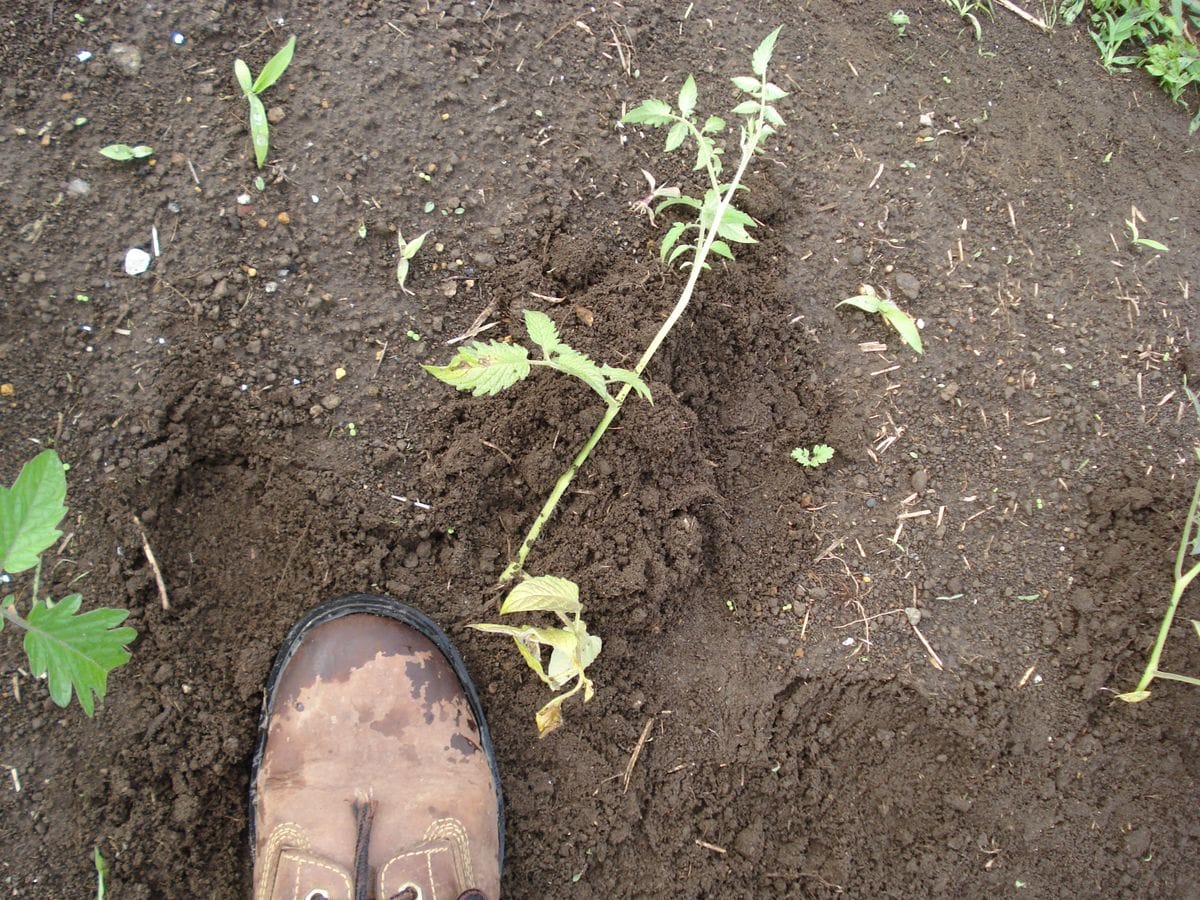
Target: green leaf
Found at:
734, 231
721, 249
670, 238
30, 512
902, 322
713, 125
76, 651
260, 131
102, 870
812, 459
762, 55
567, 359
649, 112
402, 273
747, 108
772, 92
245, 80
542, 331
545, 593
1133, 696
747, 84
676, 136
1196, 625
275, 67
1153, 245
677, 201
409, 249
687, 98
629, 377
484, 369
772, 115
678, 252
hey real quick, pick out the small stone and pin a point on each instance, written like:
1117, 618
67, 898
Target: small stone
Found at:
275, 115
331, 402
283, 219
77, 187
254, 347
137, 261
949, 392
127, 58
920, 481
908, 285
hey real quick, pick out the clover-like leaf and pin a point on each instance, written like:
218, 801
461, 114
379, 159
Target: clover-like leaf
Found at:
30, 512
484, 369
76, 651
545, 593
542, 331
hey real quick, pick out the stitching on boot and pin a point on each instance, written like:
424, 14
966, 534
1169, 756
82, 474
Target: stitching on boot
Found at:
453, 837
288, 832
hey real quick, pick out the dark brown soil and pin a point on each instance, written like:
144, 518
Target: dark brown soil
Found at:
1022, 483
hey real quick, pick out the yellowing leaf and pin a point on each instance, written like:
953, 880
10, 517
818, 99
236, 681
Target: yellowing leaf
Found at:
545, 593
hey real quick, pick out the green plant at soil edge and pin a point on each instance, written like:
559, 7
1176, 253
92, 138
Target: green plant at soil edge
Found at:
74, 650
485, 369
1155, 35
102, 870
1189, 545
125, 153
260, 130
408, 249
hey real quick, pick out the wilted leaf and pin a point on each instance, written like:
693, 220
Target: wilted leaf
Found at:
545, 593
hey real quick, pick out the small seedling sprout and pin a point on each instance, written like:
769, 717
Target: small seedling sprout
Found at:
75, 651
126, 153
101, 865
252, 88
966, 10
814, 458
904, 324
485, 369
408, 249
900, 19
1135, 216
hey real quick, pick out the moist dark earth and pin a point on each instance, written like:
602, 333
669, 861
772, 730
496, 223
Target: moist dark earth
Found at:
254, 402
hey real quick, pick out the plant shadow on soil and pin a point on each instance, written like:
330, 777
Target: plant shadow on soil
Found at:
1022, 483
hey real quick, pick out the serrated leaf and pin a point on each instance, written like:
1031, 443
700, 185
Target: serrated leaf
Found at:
687, 98
649, 112
30, 512
545, 593
484, 369
74, 650
260, 131
670, 238
676, 136
772, 92
713, 125
629, 377
721, 249
772, 115
275, 67
542, 331
245, 80
747, 84
734, 231
733, 214
762, 54
746, 108
572, 362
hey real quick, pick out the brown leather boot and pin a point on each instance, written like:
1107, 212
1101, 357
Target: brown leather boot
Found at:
374, 775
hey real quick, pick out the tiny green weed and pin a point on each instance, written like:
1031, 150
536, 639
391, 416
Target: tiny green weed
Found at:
899, 18
966, 10
870, 302
252, 88
126, 153
814, 458
1135, 237
102, 870
74, 651
408, 249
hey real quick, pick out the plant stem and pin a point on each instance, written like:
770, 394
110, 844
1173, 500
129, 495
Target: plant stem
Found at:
1182, 580
564, 480
12, 616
